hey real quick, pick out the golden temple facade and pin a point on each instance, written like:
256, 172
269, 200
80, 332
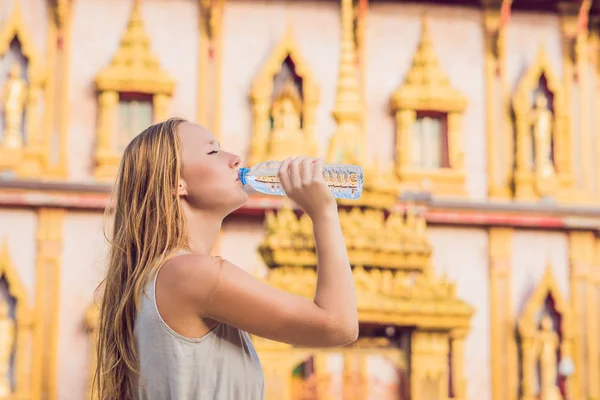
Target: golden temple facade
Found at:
475, 246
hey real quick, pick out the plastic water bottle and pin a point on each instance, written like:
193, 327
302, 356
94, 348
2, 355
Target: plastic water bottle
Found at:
345, 181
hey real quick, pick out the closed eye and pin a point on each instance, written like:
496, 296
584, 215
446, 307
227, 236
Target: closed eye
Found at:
214, 152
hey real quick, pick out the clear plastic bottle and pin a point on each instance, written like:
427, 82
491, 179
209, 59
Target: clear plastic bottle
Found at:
345, 181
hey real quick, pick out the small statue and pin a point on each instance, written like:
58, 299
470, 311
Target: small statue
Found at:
286, 137
541, 123
546, 345
14, 96
7, 338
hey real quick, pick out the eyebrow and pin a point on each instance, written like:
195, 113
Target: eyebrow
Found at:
213, 142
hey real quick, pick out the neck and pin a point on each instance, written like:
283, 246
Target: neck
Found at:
203, 229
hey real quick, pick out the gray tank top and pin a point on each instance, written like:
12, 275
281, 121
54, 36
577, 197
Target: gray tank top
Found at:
222, 365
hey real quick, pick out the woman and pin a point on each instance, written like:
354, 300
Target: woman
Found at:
174, 319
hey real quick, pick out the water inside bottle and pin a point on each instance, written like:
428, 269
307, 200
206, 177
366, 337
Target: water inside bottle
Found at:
345, 181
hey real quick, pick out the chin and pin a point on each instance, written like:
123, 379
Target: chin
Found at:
237, 200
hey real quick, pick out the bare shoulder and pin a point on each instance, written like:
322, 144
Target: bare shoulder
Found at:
191, 277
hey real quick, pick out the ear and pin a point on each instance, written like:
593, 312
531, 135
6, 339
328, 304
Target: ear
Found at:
181, 188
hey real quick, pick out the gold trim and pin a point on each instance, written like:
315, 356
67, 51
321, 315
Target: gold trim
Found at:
427, 88
29, 161
24, 325
133, 69
526, 185
397, 242
261, 98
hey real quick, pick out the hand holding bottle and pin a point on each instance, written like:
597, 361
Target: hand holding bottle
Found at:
303, 182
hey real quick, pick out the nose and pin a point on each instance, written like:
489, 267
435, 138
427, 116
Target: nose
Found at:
236, 161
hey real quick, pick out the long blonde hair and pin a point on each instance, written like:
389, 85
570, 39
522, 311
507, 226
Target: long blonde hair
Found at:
148, 227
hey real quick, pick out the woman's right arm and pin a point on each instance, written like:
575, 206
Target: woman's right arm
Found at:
228, 294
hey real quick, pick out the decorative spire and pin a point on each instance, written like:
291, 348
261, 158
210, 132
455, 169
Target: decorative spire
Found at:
134, 65
425, 70
426, 85
347, 143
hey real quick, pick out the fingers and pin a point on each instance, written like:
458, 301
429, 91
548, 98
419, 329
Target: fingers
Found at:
284, 176
318, 170
294, 170
306, 170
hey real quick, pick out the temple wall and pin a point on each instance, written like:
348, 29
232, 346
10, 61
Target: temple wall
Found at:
83, 262
461, 255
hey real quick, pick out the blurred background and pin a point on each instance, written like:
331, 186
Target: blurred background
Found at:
475, 245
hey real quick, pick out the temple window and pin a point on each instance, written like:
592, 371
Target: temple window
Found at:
21, 102
133, 92
284, 98
428, 113
543, 165
429, 141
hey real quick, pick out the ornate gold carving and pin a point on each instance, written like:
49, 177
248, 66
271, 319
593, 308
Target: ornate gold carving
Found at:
23, 320
292, 131
532, 339
546, 345
21, 100
394, 282
133, 69
427, 89
396, 242
14, 96
348, 143
429, 365
542, 125
392, 267
457, 365
532, 180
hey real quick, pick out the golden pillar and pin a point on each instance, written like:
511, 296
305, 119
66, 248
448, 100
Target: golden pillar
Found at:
584, 309
498, 120
502, 322
457, 366
49, 239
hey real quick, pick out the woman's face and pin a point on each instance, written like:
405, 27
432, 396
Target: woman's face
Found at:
209, 177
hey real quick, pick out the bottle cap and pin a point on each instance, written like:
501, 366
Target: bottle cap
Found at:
242, 172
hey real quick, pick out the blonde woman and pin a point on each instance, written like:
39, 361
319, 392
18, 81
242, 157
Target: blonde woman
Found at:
174, 321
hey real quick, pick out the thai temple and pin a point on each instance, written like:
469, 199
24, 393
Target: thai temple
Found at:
475, 246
